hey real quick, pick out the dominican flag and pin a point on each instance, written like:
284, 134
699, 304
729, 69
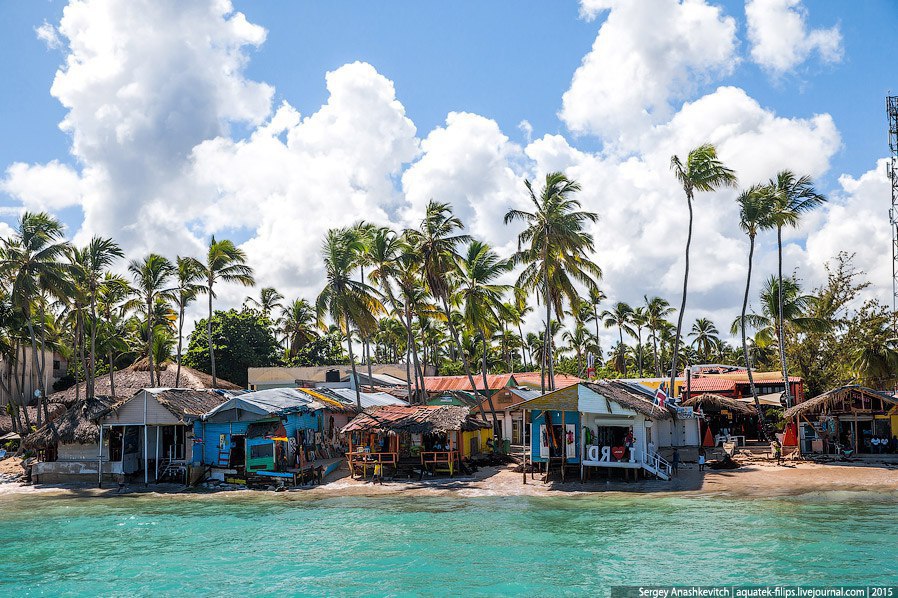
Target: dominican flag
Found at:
660, 397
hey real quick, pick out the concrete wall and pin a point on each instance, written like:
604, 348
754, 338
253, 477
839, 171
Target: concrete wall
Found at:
67, 472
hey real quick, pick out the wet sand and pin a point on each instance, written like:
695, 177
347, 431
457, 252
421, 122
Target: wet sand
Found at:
754, 479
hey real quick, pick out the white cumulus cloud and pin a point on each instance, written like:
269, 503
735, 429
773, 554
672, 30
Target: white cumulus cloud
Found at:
780, 37
646, 54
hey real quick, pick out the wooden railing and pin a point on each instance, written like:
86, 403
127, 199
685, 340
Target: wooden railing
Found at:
363, 460
435, 459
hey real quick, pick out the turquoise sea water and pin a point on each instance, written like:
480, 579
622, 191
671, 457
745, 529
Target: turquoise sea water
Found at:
287, 544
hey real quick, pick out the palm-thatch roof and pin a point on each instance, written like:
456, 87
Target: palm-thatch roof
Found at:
715, 402
625, 396
416, 419
76, 425
6, 419
186, 404
135, 377
840, 400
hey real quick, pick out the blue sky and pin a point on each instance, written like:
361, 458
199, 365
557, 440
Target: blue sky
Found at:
509, 60
376, 144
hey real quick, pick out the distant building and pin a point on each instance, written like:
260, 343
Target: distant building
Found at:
18, 383
383, 375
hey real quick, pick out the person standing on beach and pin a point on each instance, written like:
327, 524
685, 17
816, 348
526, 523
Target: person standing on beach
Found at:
777, 451
675, 461
701, 459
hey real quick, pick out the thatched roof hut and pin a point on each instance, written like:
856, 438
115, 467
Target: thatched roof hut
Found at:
185, 404
623, 395
416, 419
716, 402
132, 379
76, 426
6, 425
843, 400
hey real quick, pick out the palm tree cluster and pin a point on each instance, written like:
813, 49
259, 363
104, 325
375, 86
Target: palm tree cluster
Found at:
58, 298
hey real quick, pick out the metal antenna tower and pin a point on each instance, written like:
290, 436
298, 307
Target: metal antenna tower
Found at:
892, 167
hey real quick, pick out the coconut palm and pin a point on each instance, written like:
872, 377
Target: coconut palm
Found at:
268, 301
596, 297
348, 302
656, 310
874, 358
791, 197
298, 324
189, 275
638, 321
579, 341
619, 315
706, 338
553, 248
32, 261
754, 216
225, 262
115, 299
151, 279
480, 299
436, 246
702, 171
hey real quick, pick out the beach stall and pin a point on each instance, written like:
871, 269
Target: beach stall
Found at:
282, 430
728, 419
554, 428
152, 432
846, 420
428, 438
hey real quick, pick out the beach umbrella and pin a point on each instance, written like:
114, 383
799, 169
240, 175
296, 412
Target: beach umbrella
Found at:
708, 440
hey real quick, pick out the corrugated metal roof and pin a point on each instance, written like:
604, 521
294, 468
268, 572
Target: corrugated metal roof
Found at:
277, 401
533, 380
757, 376
368, 399
444, 383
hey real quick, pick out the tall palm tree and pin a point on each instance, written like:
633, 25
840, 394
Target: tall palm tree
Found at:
791, 197
298, 325
32, 260
596, 297
703, 171
268, 301
554, 248
225, 262
189, 276
706, 338
114, 301
436, 246
99, 255
480, 299
619, 316
348, 302
656, 310
151, 279
639, 320
874, 358
754, 216
579, 341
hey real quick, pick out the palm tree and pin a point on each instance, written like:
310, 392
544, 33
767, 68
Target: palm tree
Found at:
579, 341
151, 277
298, 324
638, 320
706, 338
791, 197
701, 172
348, 302
874, 358
754, 216
795, 307
596, 297
189, 276
113, 302
436, 247
32, 261
656, 310
619, 316
480, 299
553, 249
268, 301
227, 263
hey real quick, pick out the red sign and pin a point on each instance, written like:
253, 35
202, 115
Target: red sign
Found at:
618, 452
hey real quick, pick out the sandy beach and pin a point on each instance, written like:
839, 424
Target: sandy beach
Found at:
755, 479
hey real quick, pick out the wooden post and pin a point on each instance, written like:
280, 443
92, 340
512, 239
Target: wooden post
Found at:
157, 452
563, 446
100, 461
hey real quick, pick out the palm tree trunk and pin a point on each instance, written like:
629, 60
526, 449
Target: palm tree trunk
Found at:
751, 380
44, 400
655, 354
355, 379
782, 330
180, 344
639, 348
489, 394
408, 376
92, 363
22, 390
548, 344
111, 374
212, 345
523, 349
75, 336
676, 346
461, 351
150, 340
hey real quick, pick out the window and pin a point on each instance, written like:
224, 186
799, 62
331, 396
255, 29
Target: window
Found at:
56, 364
262, 451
